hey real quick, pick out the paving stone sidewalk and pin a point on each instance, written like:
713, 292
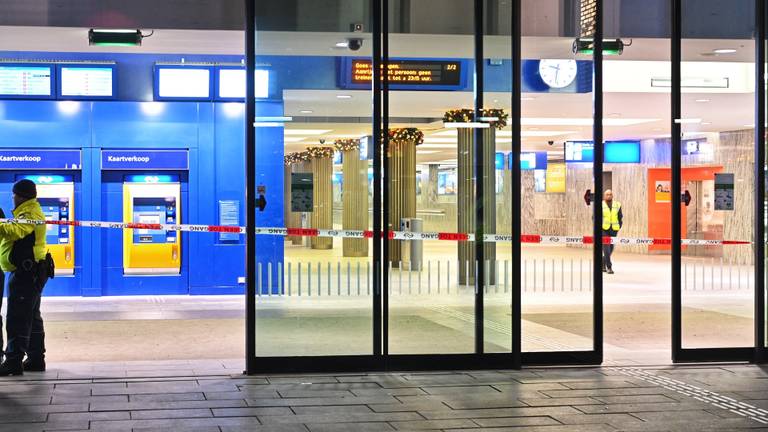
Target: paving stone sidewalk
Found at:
215, 396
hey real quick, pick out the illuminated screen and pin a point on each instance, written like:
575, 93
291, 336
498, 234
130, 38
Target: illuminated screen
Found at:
410, 72
184, 83
622, 152
527, 161
95, 81
55, 209
447, 183
232, 83
531, 161
615, 151
579, 151
154, 211
499, 161
33, 81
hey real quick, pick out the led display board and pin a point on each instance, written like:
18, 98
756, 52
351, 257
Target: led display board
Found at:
26, 81
406, 74
87, 81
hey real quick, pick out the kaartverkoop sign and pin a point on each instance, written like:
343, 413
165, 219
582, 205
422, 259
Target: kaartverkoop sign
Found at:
144, 159
26, 159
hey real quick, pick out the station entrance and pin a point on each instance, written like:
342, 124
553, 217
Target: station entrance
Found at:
460, 230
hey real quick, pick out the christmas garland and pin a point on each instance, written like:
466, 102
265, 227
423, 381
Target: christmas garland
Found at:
406, 135
296, 157
468, 115
345, 145
320, 152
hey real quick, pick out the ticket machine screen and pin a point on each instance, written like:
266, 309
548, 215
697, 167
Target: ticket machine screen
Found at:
154, 211
56, 209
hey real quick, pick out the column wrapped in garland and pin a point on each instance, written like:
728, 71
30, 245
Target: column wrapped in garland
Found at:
402, 187
322, 194
466, 190
297, 162
354, 196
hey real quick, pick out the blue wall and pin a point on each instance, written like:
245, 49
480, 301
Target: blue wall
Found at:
214, 135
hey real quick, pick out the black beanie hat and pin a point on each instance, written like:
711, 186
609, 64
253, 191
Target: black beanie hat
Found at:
25, 188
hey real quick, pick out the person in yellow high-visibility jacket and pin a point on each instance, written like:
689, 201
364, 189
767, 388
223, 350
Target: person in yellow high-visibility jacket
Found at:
22, 249
613, 219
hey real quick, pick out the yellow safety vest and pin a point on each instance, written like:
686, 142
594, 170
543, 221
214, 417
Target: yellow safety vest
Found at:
611, 216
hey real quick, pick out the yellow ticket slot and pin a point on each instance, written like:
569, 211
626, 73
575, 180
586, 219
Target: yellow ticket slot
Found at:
147, 251
57, 199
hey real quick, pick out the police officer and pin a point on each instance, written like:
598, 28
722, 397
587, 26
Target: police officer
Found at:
612, 222
22, 252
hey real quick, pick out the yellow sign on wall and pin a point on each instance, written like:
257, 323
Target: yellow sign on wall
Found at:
556, 178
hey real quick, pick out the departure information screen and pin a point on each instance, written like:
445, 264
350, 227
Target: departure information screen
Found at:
87, 81
30, 81
405, 74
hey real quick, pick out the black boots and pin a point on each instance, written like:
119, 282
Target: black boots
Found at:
34, 365
35, 361
11, 368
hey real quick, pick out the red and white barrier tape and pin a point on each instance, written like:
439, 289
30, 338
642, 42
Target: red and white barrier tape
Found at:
394, 235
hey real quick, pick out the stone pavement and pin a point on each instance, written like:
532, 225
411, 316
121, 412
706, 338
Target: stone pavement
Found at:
198, 396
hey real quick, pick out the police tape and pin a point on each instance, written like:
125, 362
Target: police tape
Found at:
392, 235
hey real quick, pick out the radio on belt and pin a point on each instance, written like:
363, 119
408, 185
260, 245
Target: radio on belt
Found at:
56, 195
151, 199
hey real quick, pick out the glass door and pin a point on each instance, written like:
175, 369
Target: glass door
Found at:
312, 276
714, 147
561, 280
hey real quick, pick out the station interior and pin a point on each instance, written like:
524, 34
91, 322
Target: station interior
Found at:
144, 294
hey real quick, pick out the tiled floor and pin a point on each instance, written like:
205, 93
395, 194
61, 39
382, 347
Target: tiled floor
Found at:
213, 396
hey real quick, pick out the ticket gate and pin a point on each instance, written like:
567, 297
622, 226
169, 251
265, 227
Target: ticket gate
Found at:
151, 199
56, 195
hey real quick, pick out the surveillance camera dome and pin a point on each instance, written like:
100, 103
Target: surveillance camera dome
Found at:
355, 44
551, 142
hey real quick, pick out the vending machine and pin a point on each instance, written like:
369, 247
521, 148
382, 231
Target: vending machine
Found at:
151, 199
56, 195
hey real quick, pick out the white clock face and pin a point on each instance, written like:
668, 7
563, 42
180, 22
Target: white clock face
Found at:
558, 73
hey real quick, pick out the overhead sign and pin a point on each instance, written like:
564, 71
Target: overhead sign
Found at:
26, 81
87, 81
26, 159
532, 161
614, 151
406, 74
144, 160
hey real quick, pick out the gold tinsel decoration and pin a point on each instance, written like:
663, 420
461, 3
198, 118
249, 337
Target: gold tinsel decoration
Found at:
320, 152
468, 115
345, 145
406, 135
296, 157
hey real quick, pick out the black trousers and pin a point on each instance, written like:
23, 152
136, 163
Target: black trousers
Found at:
2, 293
24, 323
608, 249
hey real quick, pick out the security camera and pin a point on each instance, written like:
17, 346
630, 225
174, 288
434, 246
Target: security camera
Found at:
322, 141
355, 44
551, 142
